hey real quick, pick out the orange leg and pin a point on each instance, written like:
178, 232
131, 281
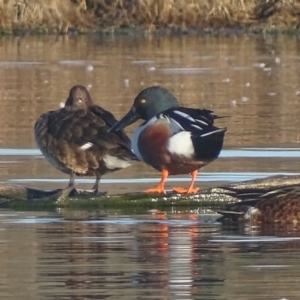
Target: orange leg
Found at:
161, 186
190, 189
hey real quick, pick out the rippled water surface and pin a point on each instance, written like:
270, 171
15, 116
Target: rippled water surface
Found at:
177, 255
104, 255
254, 80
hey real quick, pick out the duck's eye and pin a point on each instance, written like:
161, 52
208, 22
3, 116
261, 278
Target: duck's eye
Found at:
143, 101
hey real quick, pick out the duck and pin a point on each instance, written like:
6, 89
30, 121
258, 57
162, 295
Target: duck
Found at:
269, 205
172, 139
75, 138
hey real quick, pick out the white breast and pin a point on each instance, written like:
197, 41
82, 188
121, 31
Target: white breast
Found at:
181, 144
135, 137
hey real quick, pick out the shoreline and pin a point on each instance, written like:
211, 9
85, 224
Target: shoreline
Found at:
157, 17
136, 32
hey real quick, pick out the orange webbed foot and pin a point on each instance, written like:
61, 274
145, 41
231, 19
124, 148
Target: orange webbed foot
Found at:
180, 190
160, 188
157, 189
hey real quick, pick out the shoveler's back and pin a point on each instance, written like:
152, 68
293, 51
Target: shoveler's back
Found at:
78, 140
75, 139
47, 143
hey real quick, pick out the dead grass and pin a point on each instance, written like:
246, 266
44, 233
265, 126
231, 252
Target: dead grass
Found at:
62, 15
157, 14
43, 15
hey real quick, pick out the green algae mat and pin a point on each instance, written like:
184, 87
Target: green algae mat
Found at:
22, 197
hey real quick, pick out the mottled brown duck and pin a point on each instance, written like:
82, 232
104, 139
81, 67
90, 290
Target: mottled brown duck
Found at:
75, 138
277, 205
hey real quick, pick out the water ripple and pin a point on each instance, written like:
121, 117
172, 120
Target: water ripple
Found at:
243, 152
229, 176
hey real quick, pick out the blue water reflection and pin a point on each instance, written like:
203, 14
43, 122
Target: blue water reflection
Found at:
225, 153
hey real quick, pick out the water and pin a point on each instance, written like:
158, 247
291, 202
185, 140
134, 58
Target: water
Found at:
177, 255
96, 255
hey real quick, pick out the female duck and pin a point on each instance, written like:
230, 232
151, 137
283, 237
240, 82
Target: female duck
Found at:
173, 139
76, 141
278, 205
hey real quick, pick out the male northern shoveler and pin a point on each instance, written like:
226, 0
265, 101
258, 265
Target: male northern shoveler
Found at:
173, 139
279, 205
75, 139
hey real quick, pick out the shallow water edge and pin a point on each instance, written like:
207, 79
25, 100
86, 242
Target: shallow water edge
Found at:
21, 197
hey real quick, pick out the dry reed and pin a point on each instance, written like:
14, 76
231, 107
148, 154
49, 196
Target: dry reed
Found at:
84, 15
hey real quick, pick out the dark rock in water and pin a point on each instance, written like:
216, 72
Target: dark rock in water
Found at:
86, 193
10, 192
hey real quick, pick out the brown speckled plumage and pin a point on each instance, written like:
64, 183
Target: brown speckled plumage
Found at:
278, 205
75, 139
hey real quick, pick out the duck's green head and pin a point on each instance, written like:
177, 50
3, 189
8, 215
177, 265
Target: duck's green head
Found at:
148, 103
152, 101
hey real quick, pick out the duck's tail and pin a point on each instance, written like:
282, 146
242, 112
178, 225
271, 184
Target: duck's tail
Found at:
208, 145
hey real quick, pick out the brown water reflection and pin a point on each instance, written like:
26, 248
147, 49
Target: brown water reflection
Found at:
68, 255
45, 256
255, 80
